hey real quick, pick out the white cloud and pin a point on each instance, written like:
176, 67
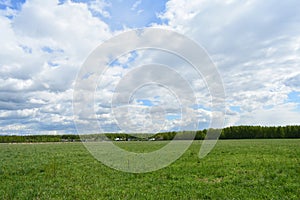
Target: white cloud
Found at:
43, 47
136, 4
254, 44
280, 115
99, 7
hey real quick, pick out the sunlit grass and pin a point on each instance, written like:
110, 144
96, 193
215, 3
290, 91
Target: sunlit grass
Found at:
235, 169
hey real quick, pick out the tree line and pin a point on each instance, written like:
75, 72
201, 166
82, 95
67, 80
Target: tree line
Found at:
233, 132
253, 132
38, 138
236, 132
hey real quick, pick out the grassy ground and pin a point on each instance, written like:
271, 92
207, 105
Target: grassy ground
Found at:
235, 169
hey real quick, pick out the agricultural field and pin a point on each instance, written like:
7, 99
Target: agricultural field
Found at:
235, 169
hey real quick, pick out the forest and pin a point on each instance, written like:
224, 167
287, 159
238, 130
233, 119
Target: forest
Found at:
233, 132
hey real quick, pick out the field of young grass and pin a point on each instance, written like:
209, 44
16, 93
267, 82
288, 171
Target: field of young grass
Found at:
235, 169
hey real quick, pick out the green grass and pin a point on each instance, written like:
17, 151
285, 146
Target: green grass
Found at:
235, 169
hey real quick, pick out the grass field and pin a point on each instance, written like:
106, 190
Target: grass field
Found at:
235, 169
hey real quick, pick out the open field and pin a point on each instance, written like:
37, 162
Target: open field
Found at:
235, 169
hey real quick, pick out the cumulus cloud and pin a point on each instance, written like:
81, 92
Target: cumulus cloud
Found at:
255, 45
44, 45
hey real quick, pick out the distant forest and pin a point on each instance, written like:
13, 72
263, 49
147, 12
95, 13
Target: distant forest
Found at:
234, 132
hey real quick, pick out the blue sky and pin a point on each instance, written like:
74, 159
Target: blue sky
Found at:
11, 4
130, 13
254, 44
118, 13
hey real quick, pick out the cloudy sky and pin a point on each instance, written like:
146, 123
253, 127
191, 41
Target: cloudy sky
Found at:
254, 44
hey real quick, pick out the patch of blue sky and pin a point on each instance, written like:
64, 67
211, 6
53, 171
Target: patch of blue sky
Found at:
235, 108
115, 62
12, 4
173, 116
60, 2
145, 102
10, 16
132, 15
53, 64
86, 76
132, 57
47, 49
294, 97
26, 49
129, 13
51, 50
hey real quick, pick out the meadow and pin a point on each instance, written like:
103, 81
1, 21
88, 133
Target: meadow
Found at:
235, 169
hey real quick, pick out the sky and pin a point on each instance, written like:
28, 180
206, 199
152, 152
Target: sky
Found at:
254, 44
